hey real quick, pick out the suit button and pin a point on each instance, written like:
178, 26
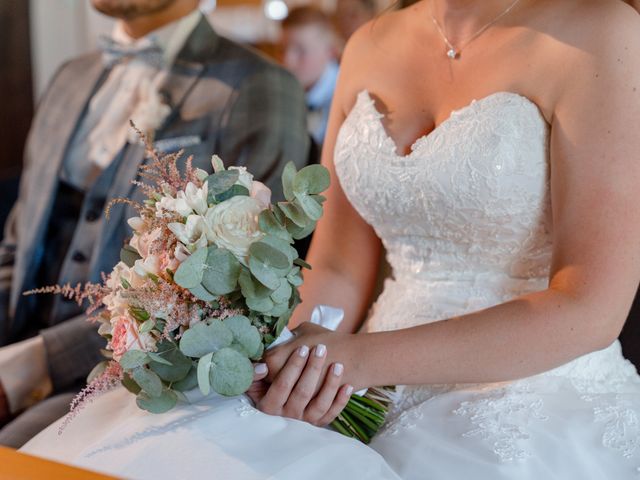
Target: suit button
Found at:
79, 257
92, 216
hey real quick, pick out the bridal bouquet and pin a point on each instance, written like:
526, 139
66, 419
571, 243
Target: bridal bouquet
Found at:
208, 280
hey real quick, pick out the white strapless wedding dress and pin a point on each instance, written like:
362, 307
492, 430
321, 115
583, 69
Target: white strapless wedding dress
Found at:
465, 219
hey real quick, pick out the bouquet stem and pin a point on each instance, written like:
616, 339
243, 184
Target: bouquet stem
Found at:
365, 414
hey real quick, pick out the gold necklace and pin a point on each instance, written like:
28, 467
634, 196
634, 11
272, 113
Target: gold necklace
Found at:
453, 52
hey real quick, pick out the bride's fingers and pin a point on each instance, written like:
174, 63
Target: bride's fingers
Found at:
343, 396
260, 371
307, 383
283, 384
322, 402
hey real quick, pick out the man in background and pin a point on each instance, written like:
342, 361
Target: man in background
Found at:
165, 68
310, 51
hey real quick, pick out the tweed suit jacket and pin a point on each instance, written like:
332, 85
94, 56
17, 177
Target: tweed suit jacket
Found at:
224, 99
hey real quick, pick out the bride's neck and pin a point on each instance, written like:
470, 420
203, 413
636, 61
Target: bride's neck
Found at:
459, 17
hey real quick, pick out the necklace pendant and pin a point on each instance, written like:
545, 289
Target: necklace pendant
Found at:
451, 53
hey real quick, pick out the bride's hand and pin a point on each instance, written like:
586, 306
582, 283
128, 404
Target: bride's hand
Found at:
305, 385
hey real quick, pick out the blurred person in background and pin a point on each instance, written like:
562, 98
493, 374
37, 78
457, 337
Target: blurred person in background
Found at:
165, 68
311, 51
352, 14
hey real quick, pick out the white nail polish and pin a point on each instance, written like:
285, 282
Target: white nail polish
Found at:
261, 368
349, 390
321, 350
303, 351
338, 368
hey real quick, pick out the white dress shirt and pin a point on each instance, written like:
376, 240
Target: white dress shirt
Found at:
102, 133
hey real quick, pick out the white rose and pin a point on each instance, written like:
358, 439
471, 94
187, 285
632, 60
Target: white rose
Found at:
245, 178
261, 193
233, 224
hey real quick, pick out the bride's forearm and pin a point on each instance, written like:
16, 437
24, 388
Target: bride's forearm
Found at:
513, 340
327, 286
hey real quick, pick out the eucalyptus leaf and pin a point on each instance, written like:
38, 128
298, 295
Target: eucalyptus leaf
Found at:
221, 274
204, 338
312, 179
288, 176
177, 367
264, 274
282, 294
158, 359
295, 214
270, 225
147, 326
130, 384
189, 273
279, 309
234, 191
244, 333
133, 359
232, 372
309, 206
148, 381
203, 294
187, 383
251, 287
283, 247
270, 255
302, 263
204, 367
298, 233
158, 404
129, 255
282, 322
221, 182
262, 305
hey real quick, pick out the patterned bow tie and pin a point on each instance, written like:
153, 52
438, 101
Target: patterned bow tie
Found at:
114, 52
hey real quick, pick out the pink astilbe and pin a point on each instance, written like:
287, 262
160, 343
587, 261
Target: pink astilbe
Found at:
92, 293
107, 380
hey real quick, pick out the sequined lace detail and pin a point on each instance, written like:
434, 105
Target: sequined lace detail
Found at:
465, 219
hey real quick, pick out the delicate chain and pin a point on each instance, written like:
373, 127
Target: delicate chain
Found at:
452, 52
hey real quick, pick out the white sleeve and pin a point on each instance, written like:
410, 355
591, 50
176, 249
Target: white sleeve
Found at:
24, 374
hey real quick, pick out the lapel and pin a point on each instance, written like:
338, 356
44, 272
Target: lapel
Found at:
184, 74
59, 115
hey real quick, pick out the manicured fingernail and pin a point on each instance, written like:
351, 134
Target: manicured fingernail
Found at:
260, 368
321, 350
338, 368
349, 390
303, 351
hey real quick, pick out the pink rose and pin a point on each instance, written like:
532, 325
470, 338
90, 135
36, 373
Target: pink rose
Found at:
125, 337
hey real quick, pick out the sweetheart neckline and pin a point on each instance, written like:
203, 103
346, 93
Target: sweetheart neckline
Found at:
427, 136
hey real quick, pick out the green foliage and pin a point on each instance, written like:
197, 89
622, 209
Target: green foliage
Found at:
220, 182
148, 381
221, 273
161, 403
190, 272
134, 359
204, 338
129, 255
231, 373
234, 191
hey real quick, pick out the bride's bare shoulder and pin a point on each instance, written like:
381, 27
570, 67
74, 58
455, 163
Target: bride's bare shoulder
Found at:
375, 49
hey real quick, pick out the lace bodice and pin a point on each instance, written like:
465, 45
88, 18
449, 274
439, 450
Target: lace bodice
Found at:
466, 213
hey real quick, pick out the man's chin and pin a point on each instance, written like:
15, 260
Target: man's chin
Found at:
130, 9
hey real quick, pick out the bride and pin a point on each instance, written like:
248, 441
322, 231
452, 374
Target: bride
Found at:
512, 226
